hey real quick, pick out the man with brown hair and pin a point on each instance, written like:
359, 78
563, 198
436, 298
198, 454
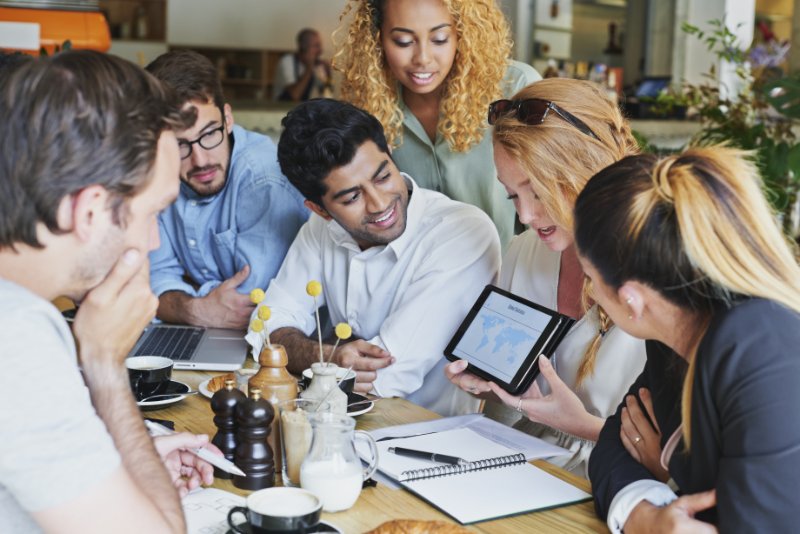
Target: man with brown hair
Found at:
87, 159
236, 213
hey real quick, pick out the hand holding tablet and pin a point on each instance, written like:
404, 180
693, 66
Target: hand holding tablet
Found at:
502, 337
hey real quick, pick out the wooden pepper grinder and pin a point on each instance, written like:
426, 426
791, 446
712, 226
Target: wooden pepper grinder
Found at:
253, 454
276, 385
223, 404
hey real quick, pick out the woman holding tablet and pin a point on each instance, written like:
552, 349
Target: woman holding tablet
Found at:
427, 69
548, 141
685, 251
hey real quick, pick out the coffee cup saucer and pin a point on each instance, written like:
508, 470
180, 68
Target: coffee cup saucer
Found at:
173, 388
361, 404
322, 527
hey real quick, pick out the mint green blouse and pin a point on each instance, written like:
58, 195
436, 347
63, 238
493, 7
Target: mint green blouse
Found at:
465, 176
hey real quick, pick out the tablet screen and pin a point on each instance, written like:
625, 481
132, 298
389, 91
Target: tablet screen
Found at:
501, 336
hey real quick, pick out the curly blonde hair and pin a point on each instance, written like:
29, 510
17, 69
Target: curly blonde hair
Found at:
474, 81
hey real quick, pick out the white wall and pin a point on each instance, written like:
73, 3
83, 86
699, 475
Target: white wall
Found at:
691, 58
262, 24
139, 52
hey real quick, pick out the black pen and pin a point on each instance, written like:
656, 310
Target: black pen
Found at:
431, 456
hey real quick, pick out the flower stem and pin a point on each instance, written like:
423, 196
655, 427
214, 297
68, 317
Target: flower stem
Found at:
319, 331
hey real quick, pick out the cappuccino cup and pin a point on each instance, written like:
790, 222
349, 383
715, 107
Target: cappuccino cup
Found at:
278, 510
148, 375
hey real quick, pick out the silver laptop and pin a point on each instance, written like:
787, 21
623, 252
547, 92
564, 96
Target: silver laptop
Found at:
194, 347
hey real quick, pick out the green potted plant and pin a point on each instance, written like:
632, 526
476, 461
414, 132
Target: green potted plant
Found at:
762, 115
670, 103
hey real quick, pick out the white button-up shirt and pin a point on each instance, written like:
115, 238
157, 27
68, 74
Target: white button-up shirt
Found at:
408, 297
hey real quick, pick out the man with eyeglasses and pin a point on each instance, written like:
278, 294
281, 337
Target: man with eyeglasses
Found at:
236, 213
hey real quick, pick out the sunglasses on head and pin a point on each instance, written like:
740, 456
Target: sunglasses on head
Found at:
533, 111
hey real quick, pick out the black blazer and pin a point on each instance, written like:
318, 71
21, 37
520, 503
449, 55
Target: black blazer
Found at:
745, 421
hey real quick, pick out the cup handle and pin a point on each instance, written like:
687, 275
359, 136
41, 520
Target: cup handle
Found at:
240, 510
135, 389
373, 447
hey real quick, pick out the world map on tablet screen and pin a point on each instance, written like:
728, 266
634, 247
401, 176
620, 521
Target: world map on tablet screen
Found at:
501, 336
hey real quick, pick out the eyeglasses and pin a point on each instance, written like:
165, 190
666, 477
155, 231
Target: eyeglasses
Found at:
533, 111
210, 139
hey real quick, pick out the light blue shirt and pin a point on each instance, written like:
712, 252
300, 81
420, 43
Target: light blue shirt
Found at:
252, 221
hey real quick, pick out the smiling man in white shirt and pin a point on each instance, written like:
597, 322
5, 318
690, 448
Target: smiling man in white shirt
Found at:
401, 264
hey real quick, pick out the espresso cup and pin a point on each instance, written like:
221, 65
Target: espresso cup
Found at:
148, 375
346, 384
278, 510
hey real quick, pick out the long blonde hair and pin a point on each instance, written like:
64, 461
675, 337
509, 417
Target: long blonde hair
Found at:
559, 159
695, 226
474, 81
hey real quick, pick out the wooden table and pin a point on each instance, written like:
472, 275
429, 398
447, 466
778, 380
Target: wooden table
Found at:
379, 504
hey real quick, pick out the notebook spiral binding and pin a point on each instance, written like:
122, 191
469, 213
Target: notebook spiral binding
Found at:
446, 470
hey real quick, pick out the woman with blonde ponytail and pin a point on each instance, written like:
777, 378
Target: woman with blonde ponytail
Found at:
684, 251
548, 141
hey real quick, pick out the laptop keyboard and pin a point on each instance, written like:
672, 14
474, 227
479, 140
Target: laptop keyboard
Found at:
176, 343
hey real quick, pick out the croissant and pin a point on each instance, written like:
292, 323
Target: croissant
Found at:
414, 526
218, 382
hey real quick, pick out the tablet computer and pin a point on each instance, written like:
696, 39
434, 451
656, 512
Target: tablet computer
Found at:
503, 336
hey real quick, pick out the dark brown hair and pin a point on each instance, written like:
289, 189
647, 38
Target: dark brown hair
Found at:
190, 74
76, 119
304, 37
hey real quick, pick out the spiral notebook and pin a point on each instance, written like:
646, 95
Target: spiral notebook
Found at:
495, 482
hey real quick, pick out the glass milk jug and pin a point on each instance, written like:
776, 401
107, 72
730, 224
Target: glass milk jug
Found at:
332, 469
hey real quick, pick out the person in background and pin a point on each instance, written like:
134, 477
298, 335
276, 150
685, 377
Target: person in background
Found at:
548, 141
303, 74
89, 157
427, 69
685, 251
401, 264
236, 214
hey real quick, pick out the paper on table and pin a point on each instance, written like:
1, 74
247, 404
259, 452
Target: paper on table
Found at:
480, 494
532, 447
493, 493
460, 442
425, 427
206, 510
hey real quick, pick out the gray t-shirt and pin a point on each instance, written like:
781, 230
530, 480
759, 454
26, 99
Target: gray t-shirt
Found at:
54, 447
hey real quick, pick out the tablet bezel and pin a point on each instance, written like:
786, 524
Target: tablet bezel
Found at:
529, 368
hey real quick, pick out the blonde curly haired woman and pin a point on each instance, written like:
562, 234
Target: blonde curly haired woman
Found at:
548, 141
428, 69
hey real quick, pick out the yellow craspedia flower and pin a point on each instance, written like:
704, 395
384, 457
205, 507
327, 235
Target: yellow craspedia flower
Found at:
256, 325
264, 313
343, 331
256, 295
314, 288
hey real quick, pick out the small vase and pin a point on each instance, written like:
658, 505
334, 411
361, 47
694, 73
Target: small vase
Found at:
325, 387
